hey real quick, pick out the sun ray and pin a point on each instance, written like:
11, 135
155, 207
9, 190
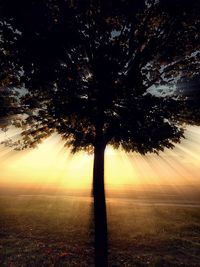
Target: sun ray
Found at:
51, 166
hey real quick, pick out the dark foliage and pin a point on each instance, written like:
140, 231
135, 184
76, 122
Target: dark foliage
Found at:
99, 71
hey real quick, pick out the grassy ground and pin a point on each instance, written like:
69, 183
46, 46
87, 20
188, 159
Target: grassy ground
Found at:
37, 231
154, 235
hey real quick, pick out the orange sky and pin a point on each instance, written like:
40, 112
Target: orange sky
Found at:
51, 165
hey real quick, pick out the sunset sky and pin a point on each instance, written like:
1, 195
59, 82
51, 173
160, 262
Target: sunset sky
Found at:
53, 166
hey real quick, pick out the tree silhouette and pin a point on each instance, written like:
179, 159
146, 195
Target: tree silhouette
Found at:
98, 73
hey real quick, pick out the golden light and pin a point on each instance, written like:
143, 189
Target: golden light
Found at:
52, 166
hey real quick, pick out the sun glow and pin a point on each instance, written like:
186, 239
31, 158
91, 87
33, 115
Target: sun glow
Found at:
53, 166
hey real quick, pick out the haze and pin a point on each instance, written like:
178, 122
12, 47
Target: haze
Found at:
52, 166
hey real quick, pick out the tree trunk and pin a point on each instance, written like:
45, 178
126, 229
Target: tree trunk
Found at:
100, 217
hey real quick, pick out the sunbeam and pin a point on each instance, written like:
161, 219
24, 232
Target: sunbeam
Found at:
51, 166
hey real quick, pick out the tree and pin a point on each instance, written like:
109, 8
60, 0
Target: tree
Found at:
98, 73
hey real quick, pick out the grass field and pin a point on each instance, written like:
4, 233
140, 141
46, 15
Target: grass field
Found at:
37, 231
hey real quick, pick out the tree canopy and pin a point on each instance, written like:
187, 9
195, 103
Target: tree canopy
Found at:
99, 71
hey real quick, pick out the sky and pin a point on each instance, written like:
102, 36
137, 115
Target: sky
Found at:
51, 165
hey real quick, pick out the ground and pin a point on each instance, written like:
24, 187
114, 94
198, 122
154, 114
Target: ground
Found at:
55, 231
